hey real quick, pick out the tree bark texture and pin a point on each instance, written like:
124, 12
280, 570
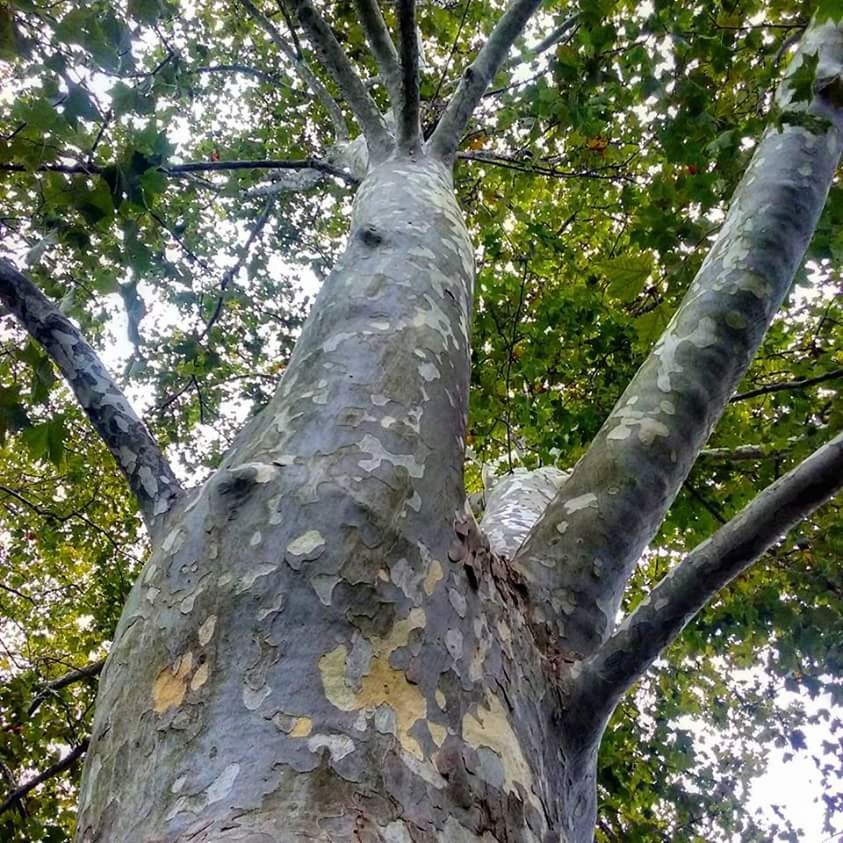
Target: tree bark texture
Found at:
321, 646
325, 646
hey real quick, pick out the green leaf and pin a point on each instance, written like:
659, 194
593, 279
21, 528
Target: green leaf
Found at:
8, 34
801, 81
626, 274
150, 11
94, 203
829, 10
79, 104
38, 114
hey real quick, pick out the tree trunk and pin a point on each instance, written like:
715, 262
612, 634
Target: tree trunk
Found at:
322, 646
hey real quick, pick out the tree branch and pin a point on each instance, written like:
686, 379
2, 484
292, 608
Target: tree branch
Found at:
88, 672
515, 502
583, 549
197, 167
477, 76
801, 383
712, 565
336, 62
302, 70
232, 271
60, 766
407, 113
140, 459
554, 38
382, 48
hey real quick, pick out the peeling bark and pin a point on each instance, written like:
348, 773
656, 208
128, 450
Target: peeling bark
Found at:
323, 645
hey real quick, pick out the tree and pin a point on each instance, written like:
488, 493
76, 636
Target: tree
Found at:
324, 642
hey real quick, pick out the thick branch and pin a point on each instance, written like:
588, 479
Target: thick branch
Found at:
140, 459
382, 48
88, 672
336, 62
671, 605
51, 772
407, 113
302, 70
478, 75
515, 503
196, 167
582, 551
802, 383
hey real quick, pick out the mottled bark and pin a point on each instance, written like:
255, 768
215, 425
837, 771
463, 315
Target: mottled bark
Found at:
580, 554
140, 459
322, 645
515, 503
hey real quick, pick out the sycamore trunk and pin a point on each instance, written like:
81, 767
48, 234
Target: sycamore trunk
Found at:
322, 645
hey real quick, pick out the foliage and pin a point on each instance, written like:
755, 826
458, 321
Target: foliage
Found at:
594, 178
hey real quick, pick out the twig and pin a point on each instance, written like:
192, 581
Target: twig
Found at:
802, 383
88, 672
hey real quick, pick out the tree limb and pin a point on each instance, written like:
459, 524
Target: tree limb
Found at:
382, 48
196, 167
580, 554
140, 459
477, 76
336, 62
554, 38
232, 271
801, 383
302, 70
407, 113
685, 590
60, 766
88, 672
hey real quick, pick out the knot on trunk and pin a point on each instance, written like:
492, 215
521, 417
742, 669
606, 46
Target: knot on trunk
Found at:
370, 235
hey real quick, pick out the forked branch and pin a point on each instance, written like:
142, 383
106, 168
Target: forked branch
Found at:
138, 455
623, 659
